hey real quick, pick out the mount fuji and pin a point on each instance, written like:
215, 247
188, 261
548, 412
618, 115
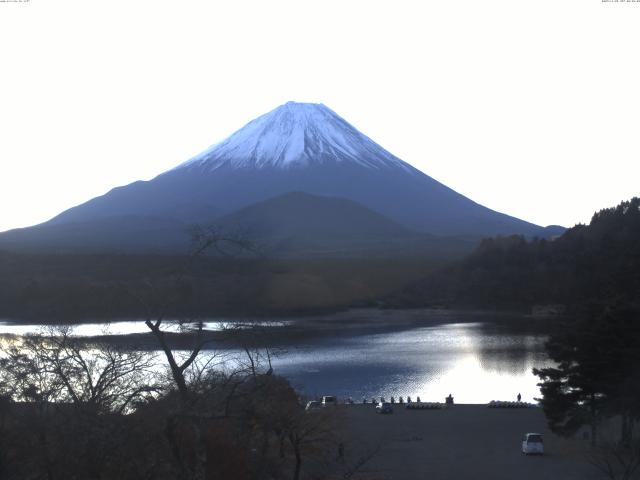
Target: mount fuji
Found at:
297, 147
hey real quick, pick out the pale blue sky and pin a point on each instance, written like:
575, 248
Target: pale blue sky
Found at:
528, 107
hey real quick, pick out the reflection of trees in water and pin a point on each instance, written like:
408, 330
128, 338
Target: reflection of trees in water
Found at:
509, 352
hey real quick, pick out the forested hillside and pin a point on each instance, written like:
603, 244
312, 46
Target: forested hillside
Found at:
84, 287
595, 262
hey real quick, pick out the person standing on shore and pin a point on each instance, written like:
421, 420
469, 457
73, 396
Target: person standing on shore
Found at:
519, 397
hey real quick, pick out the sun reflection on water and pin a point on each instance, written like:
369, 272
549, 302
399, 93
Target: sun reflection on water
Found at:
472, 363
475, 362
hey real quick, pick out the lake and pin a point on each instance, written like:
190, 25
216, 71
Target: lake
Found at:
475, 361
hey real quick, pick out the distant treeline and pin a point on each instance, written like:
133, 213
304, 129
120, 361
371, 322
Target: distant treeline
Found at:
595, 262
588, 262
85, 287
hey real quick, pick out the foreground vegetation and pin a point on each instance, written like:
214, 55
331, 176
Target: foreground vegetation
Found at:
71, 409
594, 387
78, 408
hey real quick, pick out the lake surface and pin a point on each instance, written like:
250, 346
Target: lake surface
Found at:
125, 327
475, 361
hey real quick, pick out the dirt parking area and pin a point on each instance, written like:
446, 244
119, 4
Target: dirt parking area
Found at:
462, 442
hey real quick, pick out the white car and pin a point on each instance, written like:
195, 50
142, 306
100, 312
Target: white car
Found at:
532, 444
329, 400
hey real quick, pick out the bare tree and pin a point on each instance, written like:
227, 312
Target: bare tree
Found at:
157, 305
178, 366
258, 346
71, 396
57, 367
190, 371
311, 435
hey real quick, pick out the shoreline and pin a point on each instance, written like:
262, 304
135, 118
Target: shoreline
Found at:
298, 315
353, 322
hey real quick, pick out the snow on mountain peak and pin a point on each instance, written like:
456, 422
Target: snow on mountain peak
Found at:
294, 135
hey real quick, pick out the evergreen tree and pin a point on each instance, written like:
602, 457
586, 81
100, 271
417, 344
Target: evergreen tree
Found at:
598, 360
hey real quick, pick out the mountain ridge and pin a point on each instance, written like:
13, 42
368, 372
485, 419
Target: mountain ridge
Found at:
294, 148
299, 224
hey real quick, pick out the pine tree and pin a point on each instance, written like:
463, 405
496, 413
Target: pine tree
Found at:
598, 360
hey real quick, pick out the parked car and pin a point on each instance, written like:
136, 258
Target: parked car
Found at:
329, 400
384, 407
313, 404
532, 444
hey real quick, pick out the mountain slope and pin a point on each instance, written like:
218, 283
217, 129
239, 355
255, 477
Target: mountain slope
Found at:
300, 224
296, 147
116, 234
300, 214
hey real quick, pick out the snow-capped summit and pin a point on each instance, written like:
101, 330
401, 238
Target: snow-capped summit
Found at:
295, 135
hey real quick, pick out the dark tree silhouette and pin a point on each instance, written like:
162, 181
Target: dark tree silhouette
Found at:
597, 372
